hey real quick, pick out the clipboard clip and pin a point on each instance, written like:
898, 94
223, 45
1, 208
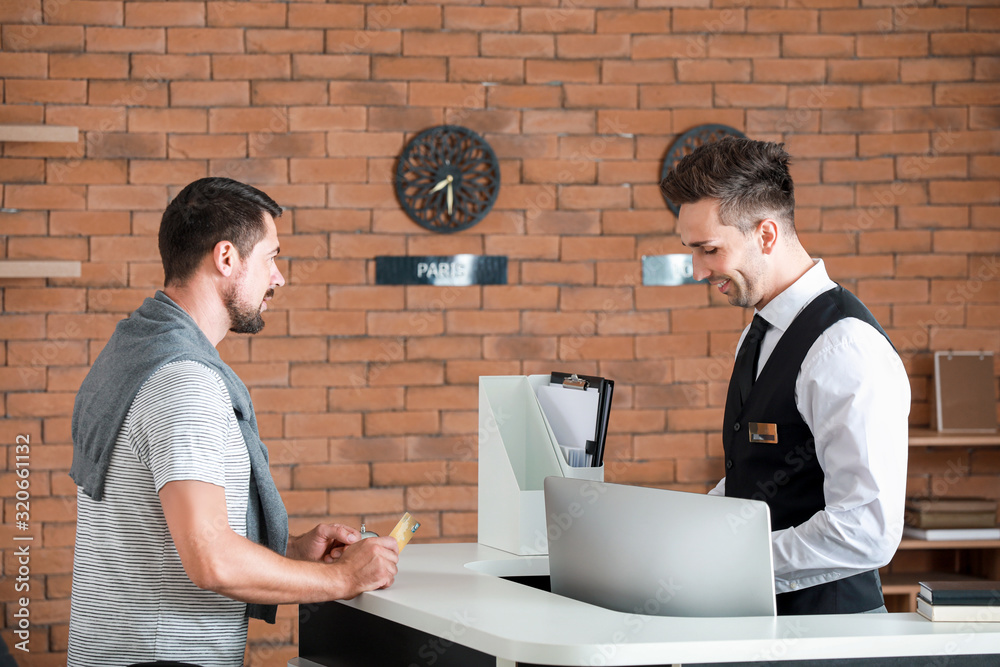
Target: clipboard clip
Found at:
576, 382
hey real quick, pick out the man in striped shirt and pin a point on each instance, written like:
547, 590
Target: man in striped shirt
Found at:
181, 535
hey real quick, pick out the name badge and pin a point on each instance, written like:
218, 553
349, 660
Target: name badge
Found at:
763, 432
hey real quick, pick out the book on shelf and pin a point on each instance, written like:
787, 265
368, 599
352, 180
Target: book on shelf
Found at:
950, 513
961, 592
958, 613
943, 534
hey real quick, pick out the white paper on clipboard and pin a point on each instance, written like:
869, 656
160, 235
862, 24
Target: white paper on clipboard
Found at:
572, 413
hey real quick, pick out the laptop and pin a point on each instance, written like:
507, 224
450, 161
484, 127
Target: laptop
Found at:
661, 553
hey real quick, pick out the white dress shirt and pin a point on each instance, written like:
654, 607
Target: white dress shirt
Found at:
854, 395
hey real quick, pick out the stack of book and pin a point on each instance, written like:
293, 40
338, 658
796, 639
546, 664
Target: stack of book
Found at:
951, 519
965, 601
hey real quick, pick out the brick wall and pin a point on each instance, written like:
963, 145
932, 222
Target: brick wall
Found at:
367, 394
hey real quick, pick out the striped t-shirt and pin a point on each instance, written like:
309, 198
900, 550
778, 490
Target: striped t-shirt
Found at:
132, 601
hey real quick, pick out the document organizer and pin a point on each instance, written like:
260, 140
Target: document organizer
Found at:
517, 451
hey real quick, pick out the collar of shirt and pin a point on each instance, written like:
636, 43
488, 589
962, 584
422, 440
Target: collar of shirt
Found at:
785, 307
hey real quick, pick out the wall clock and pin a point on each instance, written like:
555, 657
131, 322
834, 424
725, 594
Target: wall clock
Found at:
447, 178
690, 140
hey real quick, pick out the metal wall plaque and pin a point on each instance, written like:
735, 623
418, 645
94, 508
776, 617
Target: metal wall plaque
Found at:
446, 270
667, 270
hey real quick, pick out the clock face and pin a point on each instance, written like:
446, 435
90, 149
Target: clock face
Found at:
447, 178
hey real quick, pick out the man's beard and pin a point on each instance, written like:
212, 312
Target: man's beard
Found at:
243, 319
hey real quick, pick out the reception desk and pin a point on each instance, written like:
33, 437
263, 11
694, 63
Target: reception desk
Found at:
470, 605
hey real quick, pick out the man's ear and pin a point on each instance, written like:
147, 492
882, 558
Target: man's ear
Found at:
767, 234
224, 256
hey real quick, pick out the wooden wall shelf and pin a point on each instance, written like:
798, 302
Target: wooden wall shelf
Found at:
923, 437
16, 268
40, 133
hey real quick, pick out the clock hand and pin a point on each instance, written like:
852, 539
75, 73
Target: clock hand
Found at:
451, 198
444, 181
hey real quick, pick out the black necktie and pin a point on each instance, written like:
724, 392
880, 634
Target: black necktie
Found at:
744, 372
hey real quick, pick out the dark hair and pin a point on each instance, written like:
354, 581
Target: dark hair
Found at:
206, 212
749, 178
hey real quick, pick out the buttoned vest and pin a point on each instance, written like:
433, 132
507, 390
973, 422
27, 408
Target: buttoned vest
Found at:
786, 474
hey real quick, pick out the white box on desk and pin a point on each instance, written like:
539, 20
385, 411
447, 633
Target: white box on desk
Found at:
517, 451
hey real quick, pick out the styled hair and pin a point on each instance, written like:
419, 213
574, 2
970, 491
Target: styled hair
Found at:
749, 178
206, 212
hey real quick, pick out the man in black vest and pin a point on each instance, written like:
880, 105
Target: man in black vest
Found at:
816, 414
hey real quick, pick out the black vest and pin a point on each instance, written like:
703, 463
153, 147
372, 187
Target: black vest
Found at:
786, 474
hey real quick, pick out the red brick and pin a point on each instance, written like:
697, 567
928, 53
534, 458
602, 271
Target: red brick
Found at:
675, 95
256, 14
35, 91
252, 67
966, 241
963, 44
86, 172
481, 18
172, 67
965, 192
818, 46
630, 71
559, 121
410, 69
149, 92
931, 266
928, 19
326, 16
357, 144
45, 38
711, 21
128, 40
356, 41
713, 70
257, 119
422, 44
852, 171
850, 120
210, 93
167, 120
305, 66
634, 21
788, 70
892, 45
593, 46
785, 21
515, 97
276, 40
88, 12
22, 171
466, 95
864, 71
750, 95
743, 46
517, 46
497, 70
24, 65
164, 14
403, 17
204, 146
44, 197
204, 40
29, 247
557, 19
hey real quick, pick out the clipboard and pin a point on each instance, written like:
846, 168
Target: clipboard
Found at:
572, 403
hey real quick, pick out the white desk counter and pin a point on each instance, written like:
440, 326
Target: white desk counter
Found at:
438, 594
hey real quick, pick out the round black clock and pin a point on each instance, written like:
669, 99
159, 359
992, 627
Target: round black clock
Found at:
690, 140
447, 178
